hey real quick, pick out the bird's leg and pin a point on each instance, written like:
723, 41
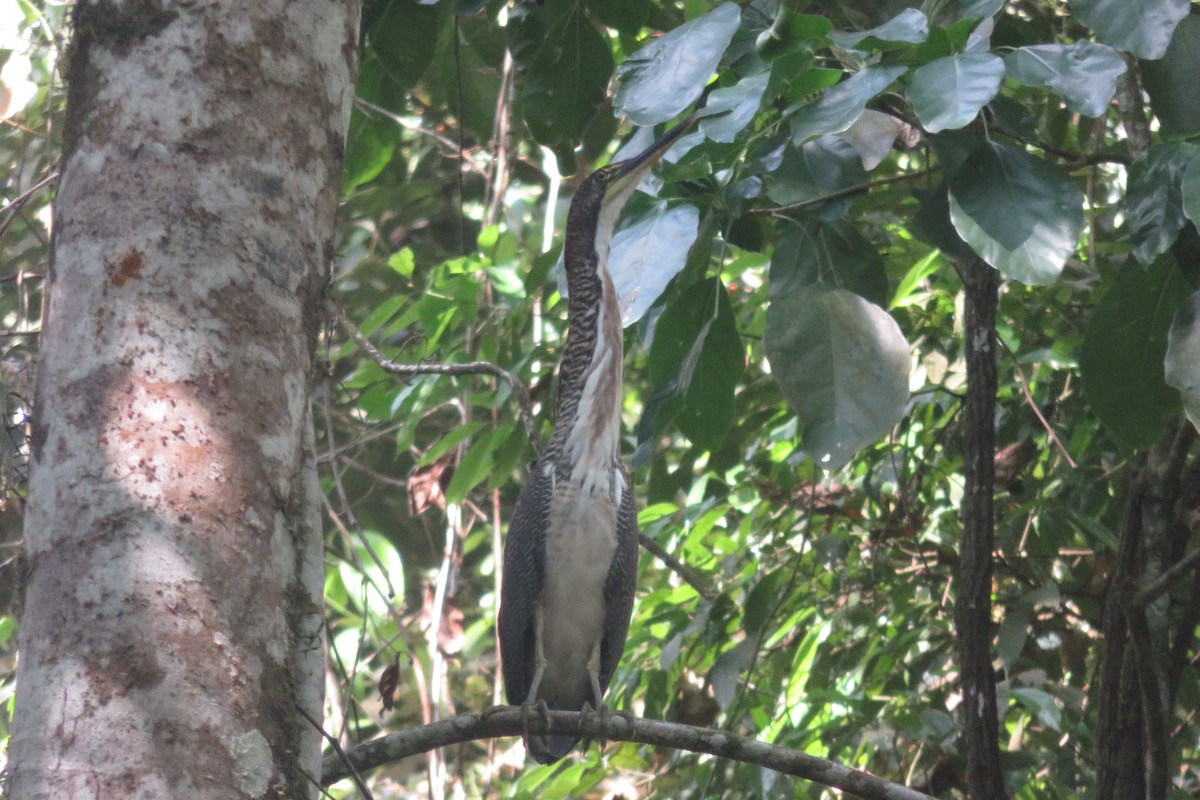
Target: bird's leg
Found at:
539, 654
539, 668
593, 668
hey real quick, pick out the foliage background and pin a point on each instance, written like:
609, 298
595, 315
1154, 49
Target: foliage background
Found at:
793, 395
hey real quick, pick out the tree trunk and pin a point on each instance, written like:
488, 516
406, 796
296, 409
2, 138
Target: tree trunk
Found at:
173, 605
973, 609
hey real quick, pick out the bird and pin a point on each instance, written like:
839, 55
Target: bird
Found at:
570, 556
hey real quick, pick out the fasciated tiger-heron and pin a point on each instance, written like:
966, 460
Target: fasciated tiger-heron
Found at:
570, 559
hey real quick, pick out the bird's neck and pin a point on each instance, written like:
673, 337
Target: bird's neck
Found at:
587, 425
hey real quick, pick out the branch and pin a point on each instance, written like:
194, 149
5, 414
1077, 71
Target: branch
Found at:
1033, 404
677, 566
510, 721
468, 368
857, 188
339, 753
1160, 584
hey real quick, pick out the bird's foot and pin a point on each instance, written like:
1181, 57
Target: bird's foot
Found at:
534, 706
585, 713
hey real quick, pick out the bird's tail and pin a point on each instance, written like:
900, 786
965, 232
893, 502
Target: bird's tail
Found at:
548, 749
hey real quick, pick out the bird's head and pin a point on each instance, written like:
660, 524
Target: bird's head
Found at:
599, 200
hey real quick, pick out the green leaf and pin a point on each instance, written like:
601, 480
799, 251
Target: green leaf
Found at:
567, 80
789, 32
448, 441
839, 107
645, 256
932, 223
1121, 360
697, 359
475, 465
403, 261
949, 92
833, 256
370, 142
1021, 214
382, 313
1189, 187
728, 111
1154, 199
1042, 704
977, 9
910, 26
814, 170
842, 363
1142, 27
403, 35
1013, 633
666, 76
1182, 362
906, 291
1084, 73
1171, 81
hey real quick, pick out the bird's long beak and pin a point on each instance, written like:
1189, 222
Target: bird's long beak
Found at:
640, 164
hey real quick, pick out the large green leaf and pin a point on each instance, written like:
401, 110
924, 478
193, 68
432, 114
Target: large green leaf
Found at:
1021, 214
1154, 200
977, 9
1190, 190
696, 361
370, 143
727, 111
932, 223
842, 364
645, 256
567, 80
815, 170
839, 107
1123, 350
1084, 73
1182, 362
948, 92
403, 35
1142, 27
910, 26
831, 255
666, 76
1171, 81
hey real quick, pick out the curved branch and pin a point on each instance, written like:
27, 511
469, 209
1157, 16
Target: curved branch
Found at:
467, 368
509, 721
678, 567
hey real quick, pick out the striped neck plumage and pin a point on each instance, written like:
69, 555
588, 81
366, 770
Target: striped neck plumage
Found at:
587, 425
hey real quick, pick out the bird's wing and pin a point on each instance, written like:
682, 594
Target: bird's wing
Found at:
621, 584
524, 564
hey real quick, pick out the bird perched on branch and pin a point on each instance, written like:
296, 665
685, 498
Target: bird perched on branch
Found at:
570, 559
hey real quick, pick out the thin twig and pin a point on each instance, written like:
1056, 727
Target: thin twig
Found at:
1160, 584
677, 566
340, 753
511, 721
15, 204
857, 188
1034, 406
467, 368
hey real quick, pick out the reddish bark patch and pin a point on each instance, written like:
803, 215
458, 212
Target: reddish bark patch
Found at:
128, 268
